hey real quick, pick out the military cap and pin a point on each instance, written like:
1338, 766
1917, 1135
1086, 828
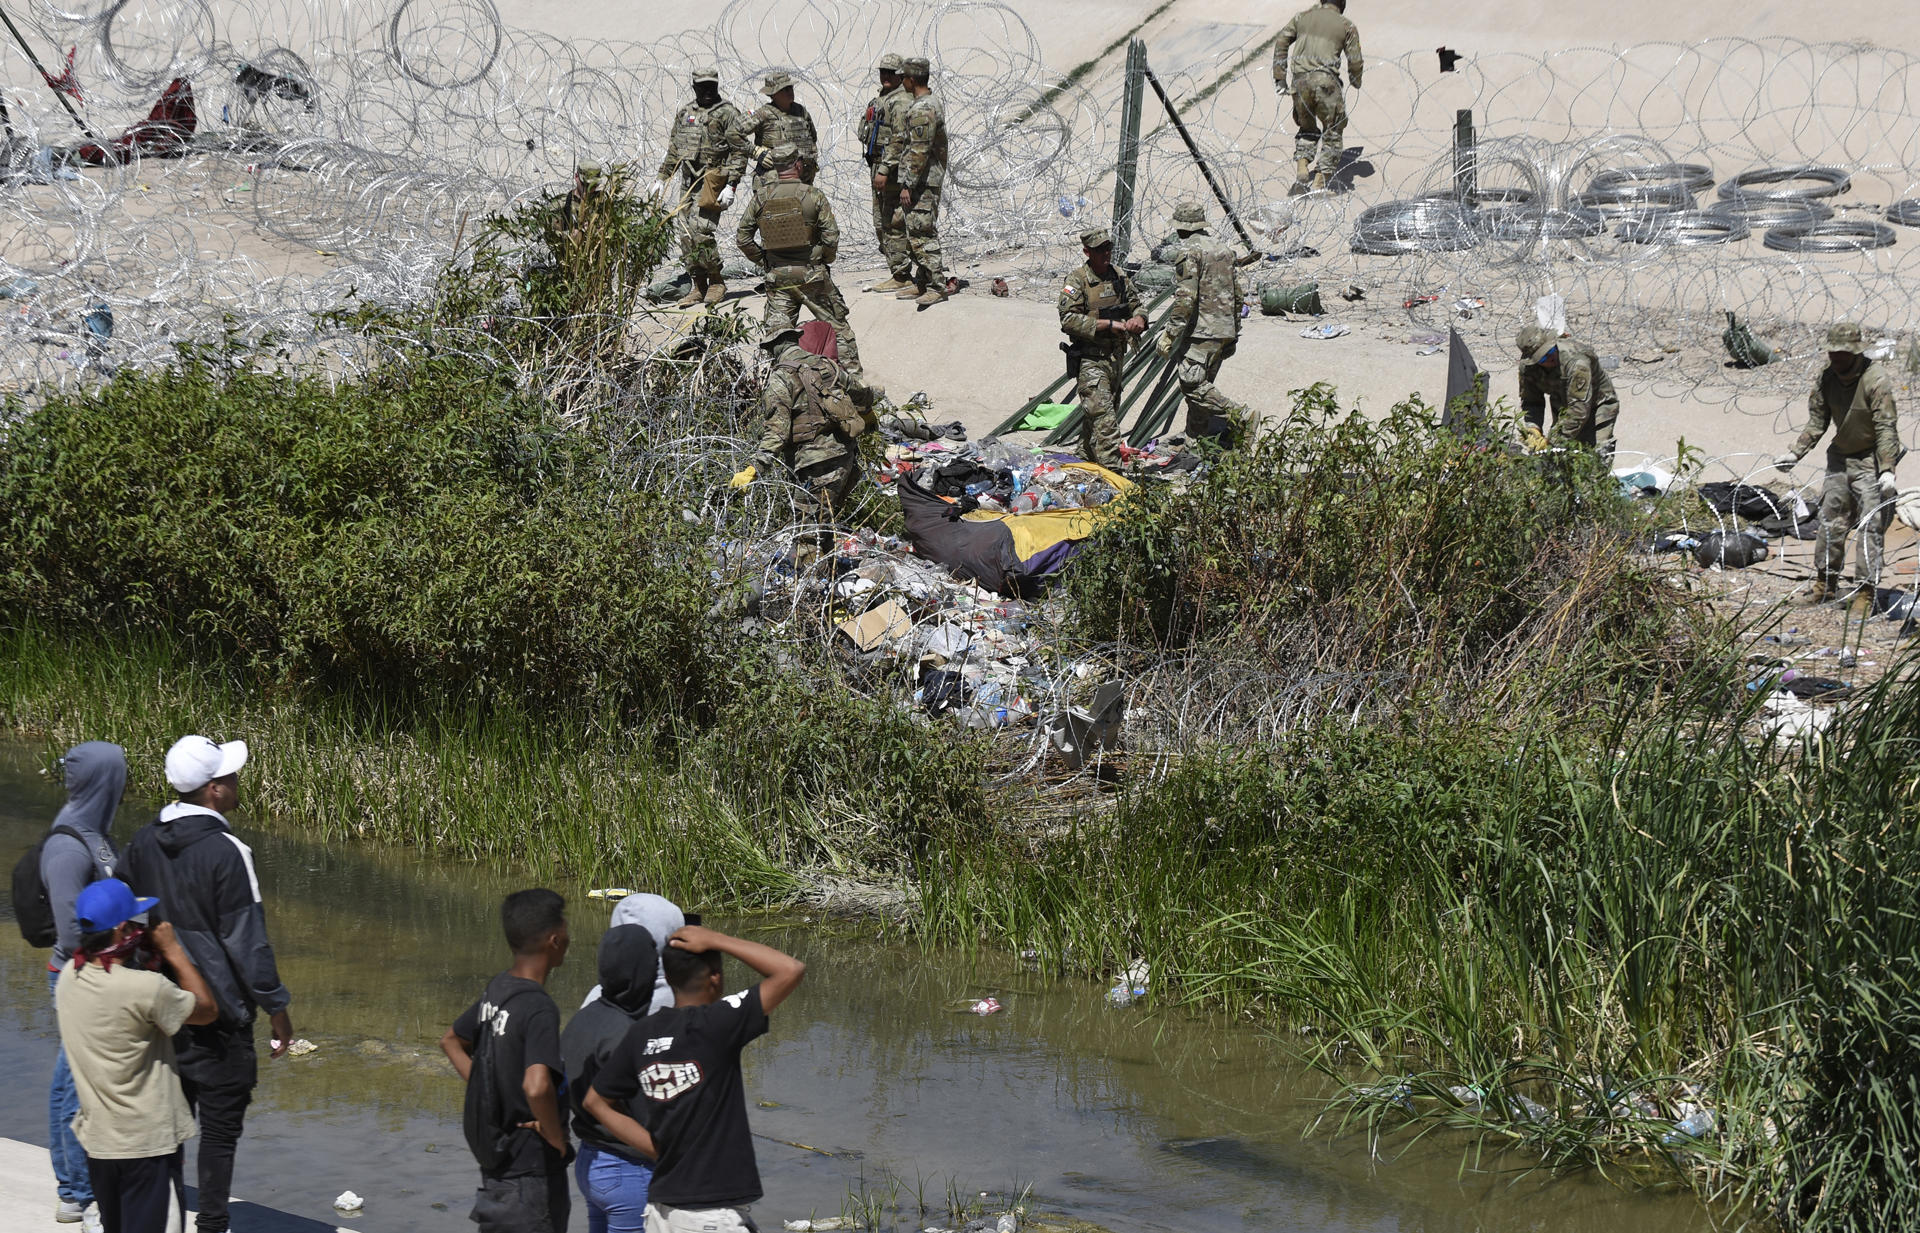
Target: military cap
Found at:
916, 66
706, 72
1189, 213
786, 154
891, 62
1536, 342
788, 335
1095, 237
1846, 336
775, 83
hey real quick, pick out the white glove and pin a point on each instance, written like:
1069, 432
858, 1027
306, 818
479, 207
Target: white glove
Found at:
726, 196
658, 190
1786, 462
1888, 489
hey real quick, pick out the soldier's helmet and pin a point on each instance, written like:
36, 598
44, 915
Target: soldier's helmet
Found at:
784, 155
891, 62
1846, 336
916, 66
1189, 213
706, 72
775, 83
1097, 237
1535, 342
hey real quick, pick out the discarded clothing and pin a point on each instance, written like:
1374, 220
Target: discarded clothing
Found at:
1750, 501
1730, 549
163, 134
1046, 416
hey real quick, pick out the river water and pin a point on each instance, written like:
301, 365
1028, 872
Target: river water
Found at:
873, 1080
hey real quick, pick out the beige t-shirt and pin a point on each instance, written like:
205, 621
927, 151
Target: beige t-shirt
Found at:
117, 1025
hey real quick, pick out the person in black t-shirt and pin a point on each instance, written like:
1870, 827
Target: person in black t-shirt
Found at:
507, 1050
674, 1085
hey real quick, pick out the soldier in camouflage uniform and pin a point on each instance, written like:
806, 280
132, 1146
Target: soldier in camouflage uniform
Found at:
1318, 37
1205, 318
919, 157
702, 151
886, 118
816, 412
798, 240
1854, 395
1567, 372
779, 121
1100, 315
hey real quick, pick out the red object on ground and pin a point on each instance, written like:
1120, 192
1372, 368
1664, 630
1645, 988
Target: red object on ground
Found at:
818, 338
163, 134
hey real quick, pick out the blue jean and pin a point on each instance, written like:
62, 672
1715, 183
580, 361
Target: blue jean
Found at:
63, 1103
615, 1189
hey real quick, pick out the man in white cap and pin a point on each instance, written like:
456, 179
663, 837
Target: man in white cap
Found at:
203, 875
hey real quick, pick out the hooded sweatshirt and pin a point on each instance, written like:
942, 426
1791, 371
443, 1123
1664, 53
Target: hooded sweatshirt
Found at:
660, 917
96, 775
628, 961
190, 859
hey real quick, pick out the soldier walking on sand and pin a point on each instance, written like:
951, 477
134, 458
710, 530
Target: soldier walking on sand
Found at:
780, 121
1317, 38
1854, 395
798, 241
1567, 373
703, 151
1100, 315
920, 161
1206, 318
885, 120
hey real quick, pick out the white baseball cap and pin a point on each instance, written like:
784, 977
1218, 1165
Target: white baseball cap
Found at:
194, 762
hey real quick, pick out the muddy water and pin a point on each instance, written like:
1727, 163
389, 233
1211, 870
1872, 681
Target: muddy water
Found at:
872, 1078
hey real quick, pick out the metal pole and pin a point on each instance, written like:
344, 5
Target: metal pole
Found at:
44, 76
1127, 172
1219, 194
1464, 158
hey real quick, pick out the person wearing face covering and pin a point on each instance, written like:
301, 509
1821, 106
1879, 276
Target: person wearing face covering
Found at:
78, 851
613, 1177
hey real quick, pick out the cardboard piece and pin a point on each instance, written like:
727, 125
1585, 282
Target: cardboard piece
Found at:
877, 625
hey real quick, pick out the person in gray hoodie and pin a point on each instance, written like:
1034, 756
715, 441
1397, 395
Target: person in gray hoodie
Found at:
660, 917
78, 850
203, 875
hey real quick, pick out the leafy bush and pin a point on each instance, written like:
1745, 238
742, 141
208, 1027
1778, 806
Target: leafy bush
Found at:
425, 528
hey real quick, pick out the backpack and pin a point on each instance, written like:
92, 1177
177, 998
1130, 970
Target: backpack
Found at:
31, 907
490, 1142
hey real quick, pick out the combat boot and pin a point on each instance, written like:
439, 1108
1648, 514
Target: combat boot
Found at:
694, 293
1823, 589
931, 296
912, 291
716, 292
893, 283
1319, 181
1302, 169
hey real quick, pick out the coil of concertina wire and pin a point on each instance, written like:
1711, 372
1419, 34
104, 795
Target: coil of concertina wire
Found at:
1836, 235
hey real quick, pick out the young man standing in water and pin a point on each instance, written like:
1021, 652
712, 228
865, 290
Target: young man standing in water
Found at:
506, 1047
208, 889
674, 1084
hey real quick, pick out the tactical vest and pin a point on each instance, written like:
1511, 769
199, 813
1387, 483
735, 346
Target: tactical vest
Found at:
785, 230
773, 127
827, 407
699, 138
1107, 300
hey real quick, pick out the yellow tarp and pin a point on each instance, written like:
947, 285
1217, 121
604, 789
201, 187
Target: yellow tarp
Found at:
1034, 533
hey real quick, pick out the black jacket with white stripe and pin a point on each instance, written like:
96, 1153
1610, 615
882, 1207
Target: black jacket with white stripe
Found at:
203, 876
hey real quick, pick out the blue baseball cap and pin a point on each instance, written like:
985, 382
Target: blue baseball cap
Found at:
108, 904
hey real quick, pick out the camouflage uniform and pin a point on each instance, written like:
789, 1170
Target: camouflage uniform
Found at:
1317, 38
920, 154
802, 239
769, 126
1584, 403
1084, 301
1866, 445
815, 413
703, 142
1206, 315
885, 118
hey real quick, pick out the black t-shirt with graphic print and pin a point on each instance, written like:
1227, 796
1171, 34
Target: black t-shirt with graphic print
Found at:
526, 1032
678, 1074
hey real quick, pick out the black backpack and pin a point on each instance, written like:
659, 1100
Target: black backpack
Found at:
30, 904
490, 1140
